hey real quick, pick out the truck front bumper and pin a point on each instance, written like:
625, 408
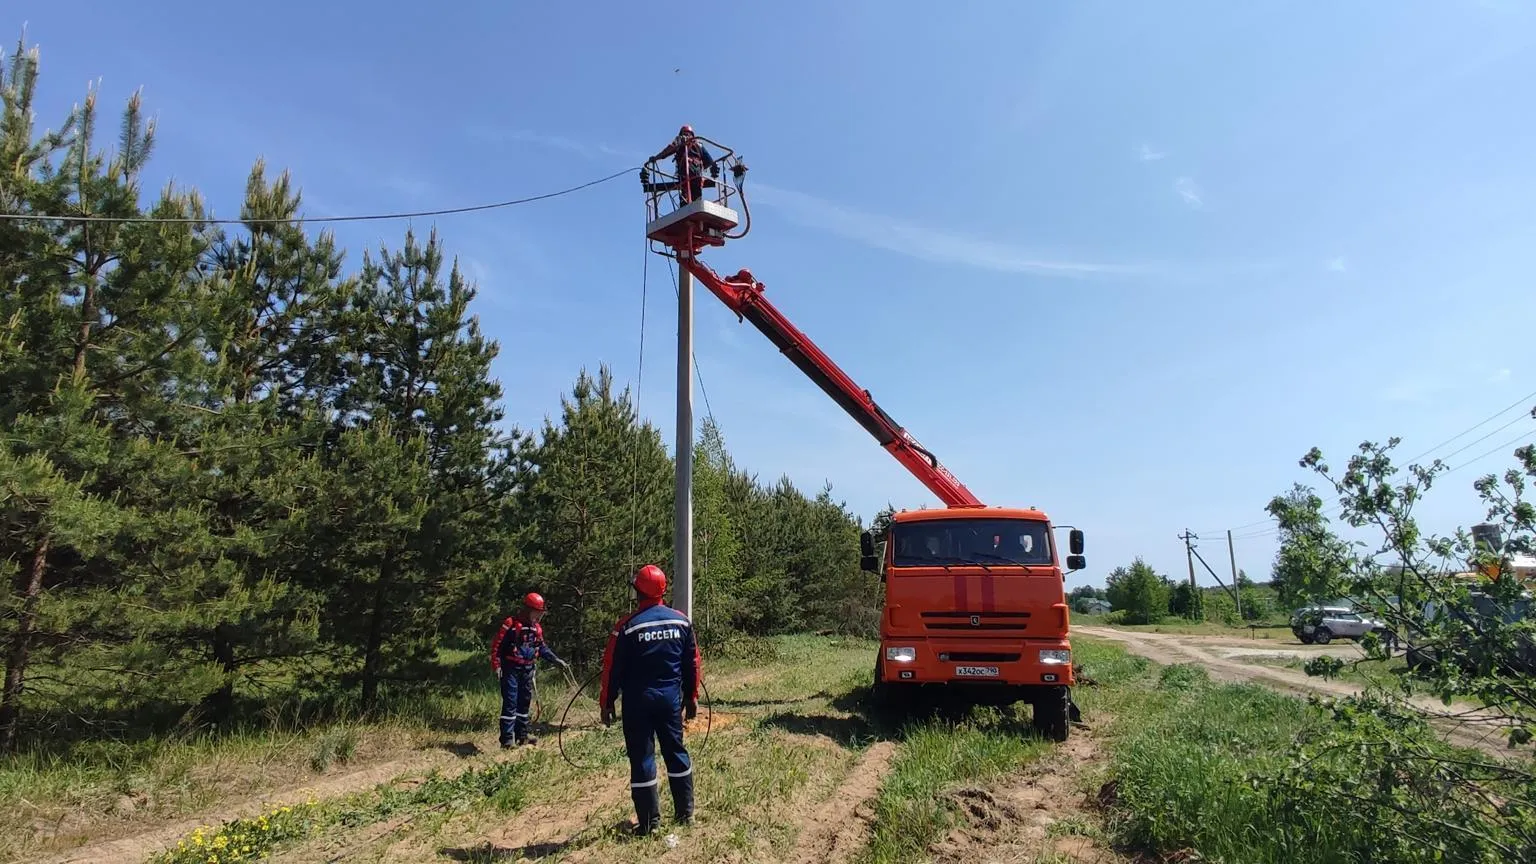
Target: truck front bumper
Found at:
1027, 662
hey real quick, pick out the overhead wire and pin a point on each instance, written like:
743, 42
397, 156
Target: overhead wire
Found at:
634, 492
300, 220
1271, 528
698, 373
1498, 448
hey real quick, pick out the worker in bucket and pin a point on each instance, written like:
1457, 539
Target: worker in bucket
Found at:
652, 661
692, 159
518, 644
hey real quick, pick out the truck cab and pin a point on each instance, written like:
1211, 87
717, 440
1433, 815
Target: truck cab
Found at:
975, 609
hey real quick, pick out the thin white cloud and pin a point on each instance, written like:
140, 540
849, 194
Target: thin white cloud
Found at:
908, 238
409, 186
1500, 375
1413, 389
597, 152
919, 241
1188, 191
1337, 265
1147, 154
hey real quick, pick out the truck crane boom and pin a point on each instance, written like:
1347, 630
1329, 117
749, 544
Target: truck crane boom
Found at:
744, 295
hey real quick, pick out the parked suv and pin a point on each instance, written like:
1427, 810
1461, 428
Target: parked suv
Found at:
1323, 624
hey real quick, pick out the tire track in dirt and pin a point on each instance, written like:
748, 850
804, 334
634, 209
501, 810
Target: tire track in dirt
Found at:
566, 828
834, 833
137, 847
538, 831
1012, 819
1165, 649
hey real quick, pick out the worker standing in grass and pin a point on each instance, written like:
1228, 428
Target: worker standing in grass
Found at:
518, 644
652, 660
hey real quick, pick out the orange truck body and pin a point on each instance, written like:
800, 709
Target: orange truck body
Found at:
992, 631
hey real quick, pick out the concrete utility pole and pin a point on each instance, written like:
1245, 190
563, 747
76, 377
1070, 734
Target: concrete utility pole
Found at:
1189, 555
1237, 587
682, 512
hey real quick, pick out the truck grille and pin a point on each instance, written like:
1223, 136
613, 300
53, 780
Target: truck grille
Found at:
978, 657
975, 621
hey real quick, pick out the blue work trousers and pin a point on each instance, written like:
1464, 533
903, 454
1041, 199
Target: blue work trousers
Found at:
651, 717
516, 698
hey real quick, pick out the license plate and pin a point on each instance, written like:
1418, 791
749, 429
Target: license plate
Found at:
976, 671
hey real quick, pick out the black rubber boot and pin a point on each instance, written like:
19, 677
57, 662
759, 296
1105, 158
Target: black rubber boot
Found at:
647, 809
682, 798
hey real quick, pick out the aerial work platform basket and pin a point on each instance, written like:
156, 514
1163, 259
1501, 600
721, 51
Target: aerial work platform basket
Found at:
691, 207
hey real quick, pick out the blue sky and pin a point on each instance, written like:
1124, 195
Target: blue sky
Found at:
1123, 263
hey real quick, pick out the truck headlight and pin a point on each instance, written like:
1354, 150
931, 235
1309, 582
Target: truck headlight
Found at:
901, 655
1055, 657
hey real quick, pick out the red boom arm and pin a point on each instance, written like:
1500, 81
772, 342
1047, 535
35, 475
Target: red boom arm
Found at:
744, 295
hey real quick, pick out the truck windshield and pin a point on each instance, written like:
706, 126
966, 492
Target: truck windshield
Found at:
988, 542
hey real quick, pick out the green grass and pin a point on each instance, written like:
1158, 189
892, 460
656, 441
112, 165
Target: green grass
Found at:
1201, 766
65, 792
913, 807
87, 787
1267, 629
501, 786
1360, 671
1183, 752
1182, 749
1191, 763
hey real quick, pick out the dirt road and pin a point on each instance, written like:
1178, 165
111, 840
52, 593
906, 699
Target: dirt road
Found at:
1234, 659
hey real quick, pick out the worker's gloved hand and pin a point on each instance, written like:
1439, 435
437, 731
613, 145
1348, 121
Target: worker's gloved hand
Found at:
691, 710
499, 672
563, 664
607, 716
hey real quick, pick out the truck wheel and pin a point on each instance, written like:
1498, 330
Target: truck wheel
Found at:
882, 696
1050, 715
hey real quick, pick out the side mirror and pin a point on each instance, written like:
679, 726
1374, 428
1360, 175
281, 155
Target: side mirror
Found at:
1075, 543
868, 563
1076, 562
866, 545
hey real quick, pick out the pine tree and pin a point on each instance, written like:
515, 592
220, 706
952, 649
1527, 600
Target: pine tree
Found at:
422, 366
717, 566
602, 501
95, 352
255, 405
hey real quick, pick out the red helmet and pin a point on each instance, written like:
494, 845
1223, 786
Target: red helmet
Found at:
650, 582
534, 601
686, 130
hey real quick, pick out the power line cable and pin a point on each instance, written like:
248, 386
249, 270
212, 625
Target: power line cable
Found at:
300, 220
1523, 400
1499, 448
634, 492
698, 372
